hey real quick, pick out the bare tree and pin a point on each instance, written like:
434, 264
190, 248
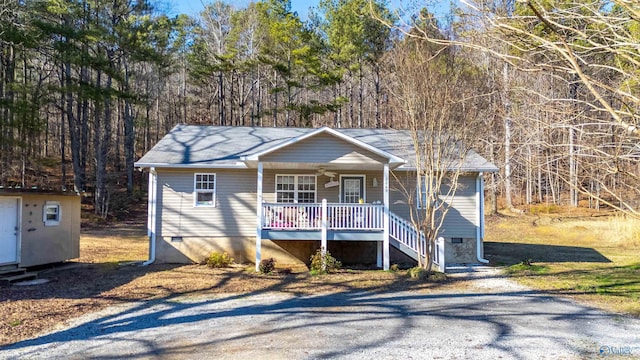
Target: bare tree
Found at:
434, 92
590, 45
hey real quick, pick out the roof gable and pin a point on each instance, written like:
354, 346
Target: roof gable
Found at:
392, 159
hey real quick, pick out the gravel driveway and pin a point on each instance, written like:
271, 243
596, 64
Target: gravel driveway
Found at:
495, 319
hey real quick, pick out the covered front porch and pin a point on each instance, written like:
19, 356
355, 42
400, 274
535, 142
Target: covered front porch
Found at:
351, 178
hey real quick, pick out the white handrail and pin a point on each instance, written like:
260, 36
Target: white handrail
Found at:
370, 217
406, 233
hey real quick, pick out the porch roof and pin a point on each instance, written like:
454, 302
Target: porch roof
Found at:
196, 146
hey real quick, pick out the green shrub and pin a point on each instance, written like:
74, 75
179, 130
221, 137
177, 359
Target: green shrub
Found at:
219, 260
331, 264
394, 268
267, 265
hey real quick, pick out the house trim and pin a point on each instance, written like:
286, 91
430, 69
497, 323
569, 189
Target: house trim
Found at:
480, 218
238, 165
152, 209
259, 216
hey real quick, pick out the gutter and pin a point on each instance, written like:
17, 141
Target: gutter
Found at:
152, 205
480, 218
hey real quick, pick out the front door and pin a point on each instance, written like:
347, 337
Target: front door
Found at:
352, 189
8, 230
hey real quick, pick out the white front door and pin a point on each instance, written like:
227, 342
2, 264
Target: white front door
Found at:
8, 230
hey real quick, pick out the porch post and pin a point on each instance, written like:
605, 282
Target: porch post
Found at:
259, 217
385, 232
323, 232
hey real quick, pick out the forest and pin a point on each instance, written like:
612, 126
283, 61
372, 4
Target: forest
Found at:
548, 90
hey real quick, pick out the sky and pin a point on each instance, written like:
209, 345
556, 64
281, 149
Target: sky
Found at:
193, 7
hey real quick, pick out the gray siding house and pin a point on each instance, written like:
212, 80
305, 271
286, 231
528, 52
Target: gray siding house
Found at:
260, 192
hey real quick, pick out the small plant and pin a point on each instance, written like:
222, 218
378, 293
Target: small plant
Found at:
267, 266
219, 260
324, 264
527, 267
418, 273
421, 273
394, 268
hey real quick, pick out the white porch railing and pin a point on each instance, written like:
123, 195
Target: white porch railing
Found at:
309, 216
294, 217
404, 232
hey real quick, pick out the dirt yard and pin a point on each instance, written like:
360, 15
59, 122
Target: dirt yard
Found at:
101, 277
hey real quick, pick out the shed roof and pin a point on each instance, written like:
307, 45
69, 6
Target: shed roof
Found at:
197, 146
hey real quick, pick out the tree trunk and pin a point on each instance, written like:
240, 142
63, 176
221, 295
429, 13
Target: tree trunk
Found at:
507, 139
129, 133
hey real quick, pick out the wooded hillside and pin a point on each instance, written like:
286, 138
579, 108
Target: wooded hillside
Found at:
549, 88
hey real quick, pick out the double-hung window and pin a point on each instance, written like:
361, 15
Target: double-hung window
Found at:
295, 188
426, 194
204, 189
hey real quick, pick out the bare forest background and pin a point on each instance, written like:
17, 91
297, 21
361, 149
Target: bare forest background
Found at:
546, 90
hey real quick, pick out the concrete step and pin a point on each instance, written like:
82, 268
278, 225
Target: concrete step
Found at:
8, 271
8, 280
10, 266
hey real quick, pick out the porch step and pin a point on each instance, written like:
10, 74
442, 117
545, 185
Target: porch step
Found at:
11, 270
404, 248
8, 280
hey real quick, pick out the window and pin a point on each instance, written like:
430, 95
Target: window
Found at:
205, 190
51, 213
422, 193
295, 188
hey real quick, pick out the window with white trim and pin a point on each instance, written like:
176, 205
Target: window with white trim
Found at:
51, 213
422, 192
296, 188
204, 188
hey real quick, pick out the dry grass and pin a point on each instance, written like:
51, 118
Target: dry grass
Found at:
99, 280
592, 259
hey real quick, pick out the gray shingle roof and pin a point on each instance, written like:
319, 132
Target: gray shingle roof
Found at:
227, 146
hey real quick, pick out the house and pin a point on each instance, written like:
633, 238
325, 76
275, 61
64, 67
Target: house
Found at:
38, 227
260, 192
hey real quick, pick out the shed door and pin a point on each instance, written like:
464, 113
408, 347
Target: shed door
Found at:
8, 230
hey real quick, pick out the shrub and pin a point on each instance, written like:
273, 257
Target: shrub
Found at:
219, 260
424, 275
331, 264
418, 273
267, 265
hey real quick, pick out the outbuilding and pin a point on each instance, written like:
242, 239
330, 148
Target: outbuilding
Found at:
38, 227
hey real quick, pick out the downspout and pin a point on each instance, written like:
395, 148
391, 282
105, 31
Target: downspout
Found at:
480, 218
151, 218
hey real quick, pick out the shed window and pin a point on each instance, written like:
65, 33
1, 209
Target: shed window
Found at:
296, 188
205, 189
51, 213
